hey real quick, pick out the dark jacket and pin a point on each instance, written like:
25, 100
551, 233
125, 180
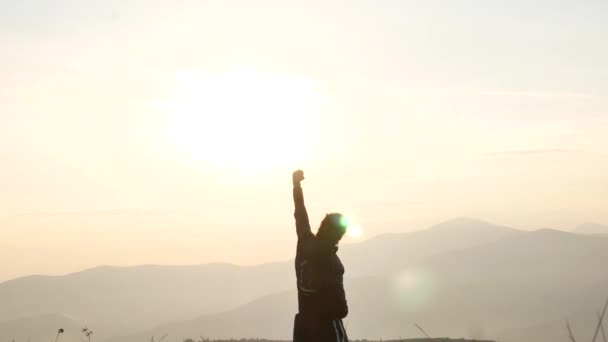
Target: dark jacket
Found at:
319, 270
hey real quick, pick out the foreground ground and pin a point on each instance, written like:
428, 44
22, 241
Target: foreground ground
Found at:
400, 340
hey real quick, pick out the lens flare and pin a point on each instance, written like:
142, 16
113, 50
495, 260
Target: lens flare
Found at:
413, 289
353, 228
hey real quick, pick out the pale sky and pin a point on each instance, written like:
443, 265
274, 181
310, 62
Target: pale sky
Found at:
165, 132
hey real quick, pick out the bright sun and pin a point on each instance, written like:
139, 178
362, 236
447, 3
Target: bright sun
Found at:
244, 121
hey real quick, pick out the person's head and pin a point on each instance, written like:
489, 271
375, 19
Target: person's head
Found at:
332, 228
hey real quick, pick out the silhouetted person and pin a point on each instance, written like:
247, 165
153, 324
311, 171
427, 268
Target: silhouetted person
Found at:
319, 272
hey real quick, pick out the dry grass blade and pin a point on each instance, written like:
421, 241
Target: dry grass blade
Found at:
159, 340
600, 320
570, 334
599, 317
423, 332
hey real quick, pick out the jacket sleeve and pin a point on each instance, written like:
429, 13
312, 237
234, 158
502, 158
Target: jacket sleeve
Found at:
302, 223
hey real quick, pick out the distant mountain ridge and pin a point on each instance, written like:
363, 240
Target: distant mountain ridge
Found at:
121, 299
399, 250
487, 291
591, 228
460, 278
129, 299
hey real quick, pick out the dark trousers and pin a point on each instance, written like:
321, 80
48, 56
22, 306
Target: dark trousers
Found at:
309, 329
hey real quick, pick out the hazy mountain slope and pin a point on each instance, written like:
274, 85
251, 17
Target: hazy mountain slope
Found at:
132, 298
583, 325
268, 317
591, 228
391, 252
128, 299
527, 280
41, 328
481, 291
498, 289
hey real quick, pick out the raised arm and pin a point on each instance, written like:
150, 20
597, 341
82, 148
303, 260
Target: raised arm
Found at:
300, 214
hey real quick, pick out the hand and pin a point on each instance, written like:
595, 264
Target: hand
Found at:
297, 177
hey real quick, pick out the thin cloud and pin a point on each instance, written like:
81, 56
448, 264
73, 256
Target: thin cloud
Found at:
110, 212
537, 94
381, 204
529, 152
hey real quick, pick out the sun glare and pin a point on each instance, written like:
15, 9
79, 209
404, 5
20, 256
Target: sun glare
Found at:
353, 228
245, 121
355, 232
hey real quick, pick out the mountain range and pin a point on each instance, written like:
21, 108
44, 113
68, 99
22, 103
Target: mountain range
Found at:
461, 278
591, 228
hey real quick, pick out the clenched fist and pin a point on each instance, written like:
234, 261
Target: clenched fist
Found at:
297, 177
